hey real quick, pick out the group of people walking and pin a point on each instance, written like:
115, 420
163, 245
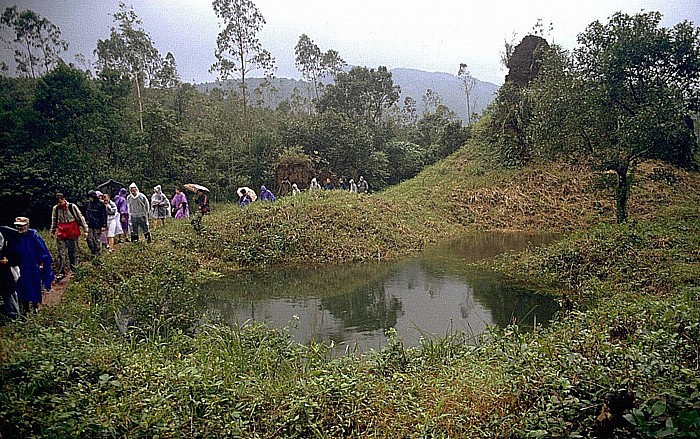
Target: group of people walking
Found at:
247, 195
361, 187
26, 263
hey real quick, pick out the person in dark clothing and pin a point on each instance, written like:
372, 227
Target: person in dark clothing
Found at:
8, 284
96, 218
244, 199
202, 202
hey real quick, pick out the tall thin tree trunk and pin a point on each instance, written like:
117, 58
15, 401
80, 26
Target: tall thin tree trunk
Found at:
622, 193
31, 59
138, 102
469, 109
244, 92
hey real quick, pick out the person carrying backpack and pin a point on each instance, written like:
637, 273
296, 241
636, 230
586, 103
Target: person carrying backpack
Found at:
66, 224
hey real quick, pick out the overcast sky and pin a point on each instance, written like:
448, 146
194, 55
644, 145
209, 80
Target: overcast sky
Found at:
434, 36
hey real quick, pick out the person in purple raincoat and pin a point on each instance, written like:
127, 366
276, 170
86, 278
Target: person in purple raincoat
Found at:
34, 265
266, 195
120, 201
180, 205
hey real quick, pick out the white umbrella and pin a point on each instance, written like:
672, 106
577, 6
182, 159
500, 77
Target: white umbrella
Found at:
250, 191
194, 187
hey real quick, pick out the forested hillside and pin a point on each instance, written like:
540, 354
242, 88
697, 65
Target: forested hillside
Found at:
425, 88
68, 129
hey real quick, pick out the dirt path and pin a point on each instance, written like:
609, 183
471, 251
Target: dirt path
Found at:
54, 296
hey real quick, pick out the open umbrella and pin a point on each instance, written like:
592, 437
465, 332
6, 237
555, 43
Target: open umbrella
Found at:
194, 187
250, 191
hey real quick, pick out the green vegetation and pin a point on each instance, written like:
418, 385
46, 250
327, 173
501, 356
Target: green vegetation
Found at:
128, 352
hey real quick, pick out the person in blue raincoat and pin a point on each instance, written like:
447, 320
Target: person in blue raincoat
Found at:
34, 265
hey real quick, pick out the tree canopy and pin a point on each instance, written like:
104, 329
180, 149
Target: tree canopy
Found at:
36, 42
363, 93
625, 95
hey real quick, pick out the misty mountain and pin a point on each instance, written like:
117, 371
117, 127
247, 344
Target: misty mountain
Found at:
413, 83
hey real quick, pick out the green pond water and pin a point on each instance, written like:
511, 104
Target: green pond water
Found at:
428, 295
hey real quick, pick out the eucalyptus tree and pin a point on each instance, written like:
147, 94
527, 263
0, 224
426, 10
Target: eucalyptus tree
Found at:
625, 95
315, 65
431, 101
409, 111
35, 41
467, 82
131, 51
167, 76
238, 49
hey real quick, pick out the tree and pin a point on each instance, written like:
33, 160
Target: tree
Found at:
333, 140
409, 111
37, 42
363, 93
167, 76
468, 82
314, 65
432, 124
238, 49
625, 96
431, 101
131, 51
66, 99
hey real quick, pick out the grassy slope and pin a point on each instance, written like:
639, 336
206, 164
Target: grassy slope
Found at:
71, 371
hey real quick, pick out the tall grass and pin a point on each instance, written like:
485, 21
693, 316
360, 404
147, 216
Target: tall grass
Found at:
128, 352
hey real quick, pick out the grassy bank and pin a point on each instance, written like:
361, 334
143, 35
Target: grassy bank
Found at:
127, 353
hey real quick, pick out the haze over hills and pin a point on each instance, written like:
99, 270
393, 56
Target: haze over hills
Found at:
413, 83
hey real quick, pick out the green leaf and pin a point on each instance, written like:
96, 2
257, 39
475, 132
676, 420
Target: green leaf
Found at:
658, 409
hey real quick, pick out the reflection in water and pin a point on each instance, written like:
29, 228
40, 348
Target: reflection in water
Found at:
430, 295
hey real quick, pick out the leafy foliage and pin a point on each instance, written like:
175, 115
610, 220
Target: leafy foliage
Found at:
624, 96
361, 93
36, 41
238, 49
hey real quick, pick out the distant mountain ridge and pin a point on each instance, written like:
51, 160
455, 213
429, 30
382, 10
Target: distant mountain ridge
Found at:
413, 83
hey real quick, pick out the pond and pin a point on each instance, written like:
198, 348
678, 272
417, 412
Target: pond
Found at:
433, 294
